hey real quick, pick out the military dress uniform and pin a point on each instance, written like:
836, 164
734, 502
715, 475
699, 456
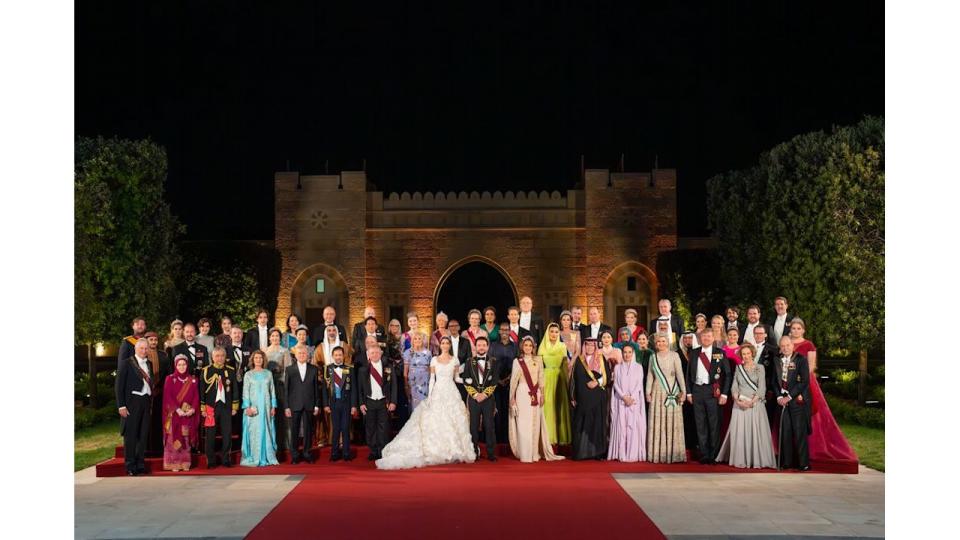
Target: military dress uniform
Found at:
340, 394
480, 376
220, 399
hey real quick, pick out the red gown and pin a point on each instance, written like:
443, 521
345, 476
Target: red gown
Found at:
826, 442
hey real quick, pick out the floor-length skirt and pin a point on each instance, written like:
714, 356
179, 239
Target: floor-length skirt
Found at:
528, 434
748, 443
665, 440
628, 431
176, 459
556, 405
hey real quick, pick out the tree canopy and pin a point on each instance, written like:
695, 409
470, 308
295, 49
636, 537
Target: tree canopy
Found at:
807, 222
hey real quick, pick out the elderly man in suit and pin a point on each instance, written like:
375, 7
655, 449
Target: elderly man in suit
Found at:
303, 403
793, 397
329, 319
134, 388
665, 307
594, 326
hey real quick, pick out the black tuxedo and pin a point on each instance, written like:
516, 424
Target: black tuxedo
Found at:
464, 351
536, 327
251, 339
195, 362
339, 407
239, 366
303, 396
768, 358
585, 331
319, 333
706, 407
222, 410
786, 326
360, 333
135, 427
795, 417
126, 349
744, 332
676, 325
475, 382
360, 348
376, 419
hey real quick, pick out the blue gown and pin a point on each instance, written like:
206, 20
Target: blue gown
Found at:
259, 445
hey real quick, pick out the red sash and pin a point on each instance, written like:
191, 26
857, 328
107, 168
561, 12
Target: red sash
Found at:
532, 388
470, 336
514, 337
706, 365
337, 380
376, 376
636, 332
143, 374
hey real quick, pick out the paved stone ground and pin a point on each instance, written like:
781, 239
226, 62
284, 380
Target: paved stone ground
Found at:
684, 506
218, 507
715, 506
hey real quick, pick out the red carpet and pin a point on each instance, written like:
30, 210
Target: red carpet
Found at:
444, 502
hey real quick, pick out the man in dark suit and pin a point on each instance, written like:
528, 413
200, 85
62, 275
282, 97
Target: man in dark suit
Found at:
378, 394
576, 316
198, 356
162, 366
459, 348
238, 356
793, 397
708, 386
685, 352
139, 326
360, 330
329, 319
733, 321
480, 382
258, 337
665, 309
752, 322
779, 323
516, 332
134, 388
219, 402
594, 326
303, 403
339, 395
371, 332
766, 356
530, 320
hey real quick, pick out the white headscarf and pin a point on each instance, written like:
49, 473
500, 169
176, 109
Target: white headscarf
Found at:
328, 347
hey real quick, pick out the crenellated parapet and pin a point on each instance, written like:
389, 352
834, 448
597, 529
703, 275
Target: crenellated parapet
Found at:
474, 199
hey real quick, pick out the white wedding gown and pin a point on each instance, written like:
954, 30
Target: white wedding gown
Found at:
437, 432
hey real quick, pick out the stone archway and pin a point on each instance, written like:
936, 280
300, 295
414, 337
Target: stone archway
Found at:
317, 286
474, 282
630, 284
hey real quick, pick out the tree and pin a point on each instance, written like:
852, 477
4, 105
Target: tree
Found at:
124, 234
217, 290
808, 223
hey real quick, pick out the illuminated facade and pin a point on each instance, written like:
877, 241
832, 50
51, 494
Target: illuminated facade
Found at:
344, 244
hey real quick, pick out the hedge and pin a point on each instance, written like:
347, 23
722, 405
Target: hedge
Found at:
847, 411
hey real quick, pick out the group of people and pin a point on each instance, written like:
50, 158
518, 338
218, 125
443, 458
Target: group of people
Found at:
738, 392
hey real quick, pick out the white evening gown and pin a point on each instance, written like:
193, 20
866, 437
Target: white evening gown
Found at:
437, 432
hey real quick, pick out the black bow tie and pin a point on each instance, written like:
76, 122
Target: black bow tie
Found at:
338, 366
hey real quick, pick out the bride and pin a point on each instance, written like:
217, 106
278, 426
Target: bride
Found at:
438, 431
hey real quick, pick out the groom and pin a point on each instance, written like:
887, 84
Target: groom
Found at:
480, 381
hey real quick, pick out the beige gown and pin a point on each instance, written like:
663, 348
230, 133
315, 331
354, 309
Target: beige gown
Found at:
529, 438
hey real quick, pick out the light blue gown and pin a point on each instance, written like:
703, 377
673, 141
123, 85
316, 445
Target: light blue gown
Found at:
259, 446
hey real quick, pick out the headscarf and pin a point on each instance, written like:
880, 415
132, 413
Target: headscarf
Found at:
636, 350
620, 344
546, 348
328, 347
594, 361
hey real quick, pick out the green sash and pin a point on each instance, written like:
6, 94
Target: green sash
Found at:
673, 395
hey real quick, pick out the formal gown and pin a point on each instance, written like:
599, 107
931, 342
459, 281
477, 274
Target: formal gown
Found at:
438, 430
529, 438
748, 443
180, 433
418, 375
665, 382
628, 424
259, 445
556, 402
277, 362
825, 442
592, 412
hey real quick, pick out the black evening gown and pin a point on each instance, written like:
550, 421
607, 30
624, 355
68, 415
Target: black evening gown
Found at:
590, 416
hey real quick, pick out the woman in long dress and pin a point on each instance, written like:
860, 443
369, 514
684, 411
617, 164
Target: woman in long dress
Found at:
529, 438
748, 443
555, 401
570, 338
490, 325
259, 445
644, 352
628, 413
825, 442
278, 360
416, 371
394, 359
591, 404
438, 431
666, 390
181, 400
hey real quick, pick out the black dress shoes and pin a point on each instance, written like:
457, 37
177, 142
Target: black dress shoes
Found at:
311, 459
491, 458
348, 457
294, 460
227, 464
805, 468
335, 457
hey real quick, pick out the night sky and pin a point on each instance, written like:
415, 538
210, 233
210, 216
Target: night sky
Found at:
493, 96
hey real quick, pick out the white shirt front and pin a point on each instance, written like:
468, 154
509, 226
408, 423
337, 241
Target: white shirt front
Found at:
145, 391
778, 326
302, 367
703, 376
759, 352
515, 328
525, 320
595, 329
455, 346
375, 391
749, 333
263, 337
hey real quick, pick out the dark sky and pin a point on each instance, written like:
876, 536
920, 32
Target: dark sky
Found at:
493, 96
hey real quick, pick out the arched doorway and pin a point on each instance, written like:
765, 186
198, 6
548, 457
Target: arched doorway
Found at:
474, 283
318, 286
630, 285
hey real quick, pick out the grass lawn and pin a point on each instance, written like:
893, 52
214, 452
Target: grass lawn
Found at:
95, 444
867, 442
